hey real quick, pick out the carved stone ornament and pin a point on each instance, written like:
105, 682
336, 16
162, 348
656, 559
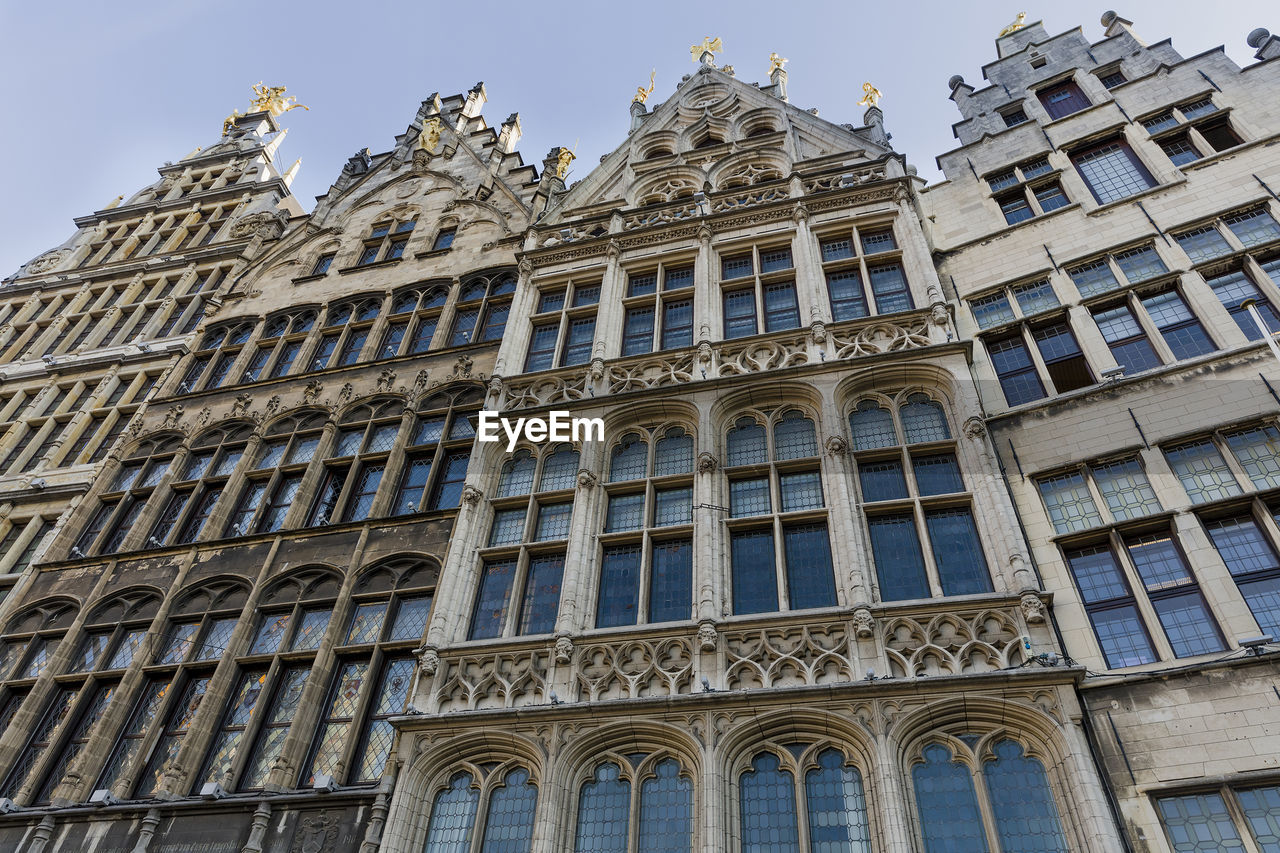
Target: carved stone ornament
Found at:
172, 417
386, 379
47, 261
564, 649
587, 479
938, 314
429, 660
316, 833
262, 224
462, 367
836, 445
974, 428
311, 392
707, 463
864, 624
818, 331
471, 495
1032, 607
707, 636
272, 407
345, 392
421, 161
241, 405
495, 385
800, 214
421, 379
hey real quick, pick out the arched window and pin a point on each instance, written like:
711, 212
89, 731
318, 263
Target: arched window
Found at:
504, 801
778, 542
617, 816
392, 603
386, 241
438, 451
198, 485
803, 799
939, 512
353, 472
414, 316
958, 806
274, 476
484, 301
125, 498
847, 270
282, 339
646, 566
519, 591
346, 330
218, 350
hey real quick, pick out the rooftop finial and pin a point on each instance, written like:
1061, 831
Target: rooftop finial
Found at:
776, 62
1018, 23
271, 99
705, 52
871, 96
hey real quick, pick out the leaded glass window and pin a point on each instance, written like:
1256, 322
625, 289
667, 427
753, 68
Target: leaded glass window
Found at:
1202, 470
1070, 505
1257, 449
1125, 488
783, 806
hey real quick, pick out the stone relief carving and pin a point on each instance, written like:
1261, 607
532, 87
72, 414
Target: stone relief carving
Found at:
263, 224
785, 656
502, 680
952, 643
631, 669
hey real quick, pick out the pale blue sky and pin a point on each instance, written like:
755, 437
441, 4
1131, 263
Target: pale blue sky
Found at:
97, 95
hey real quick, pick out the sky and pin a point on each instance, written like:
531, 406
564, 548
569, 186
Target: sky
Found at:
98, 95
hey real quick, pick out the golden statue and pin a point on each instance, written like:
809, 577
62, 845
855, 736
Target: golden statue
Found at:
1018, 23
642, 94
271, 99
230, 121
564, 158
709, 45
871, 96
429, 138
776, 62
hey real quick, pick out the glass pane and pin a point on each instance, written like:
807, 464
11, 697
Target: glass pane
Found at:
810, 578
962, 568
937, 474
366, 624
767, 806
748, 497
411, 618
619, 596
1026, 816
217, 639
1258, 452
1261, 808
872, 427
948, 806
1199, 822
453, 815
671, 587
746, 443
629, 459
1203, 471
923, 420
899, 560
553, 521
541, 594
1069, 503
603, 810
666, 810
626, 512
673, 453
181, 639
794, 437
837, 807
673, 506
1122, 637
311, 631
882, 481
1125, 488
755, 583
492, 598
800, 491
270, 634
508, 827
1188, 624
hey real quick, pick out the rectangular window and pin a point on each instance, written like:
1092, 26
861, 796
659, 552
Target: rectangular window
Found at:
1015, 207
1219, 134
810, 577
957, 552
736, 266
800, 491
895, 546
739, 313
889, 287
360, 503
448, 490
1050, 196
496, 579
1015, 370
937, 473
413, 482
626, 512
781, 310
1063, 99
1199, 822
848, 301
671, 587
991, 310
129, 743
270, 742
541, 594
1093, 278
1112, 171
1110, 606
637, 331
1062, 357
1126, 339
1174, 595
1179, 149
1002, 180
1158, 123
324, 351
755, 582
1257, 449
677, 278
881, 240
1179, 327
1233, 290
542, 347
586, 295
672, 506
1203, 244
577, 347
1140, 264
464, 325
677, 323
642, 285
1253, 227
1035, 296
1253, 564
553, 521
749, 497
619, 597
1202, 470
882, 481
1014, 117
422, 335
278, 507
1125, 488
235, 721
389, 701
335, 729
1070, 506
836, 249
1111, 79
773, 260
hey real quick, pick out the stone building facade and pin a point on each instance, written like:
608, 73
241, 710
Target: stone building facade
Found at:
821, 568
1108, 214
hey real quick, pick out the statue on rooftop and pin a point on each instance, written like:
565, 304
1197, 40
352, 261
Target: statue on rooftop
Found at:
871, 96
642, 94
1018, 23
709, 45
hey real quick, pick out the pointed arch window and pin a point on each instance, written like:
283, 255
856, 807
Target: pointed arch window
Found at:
346, 331
499, 804
357, 461
913, 494
615, 815
125, 498
414, 316
646, 566
210, 366
282, 339
1007, 806
274, 476
802, 799
198, 486
779, 547
386, 241
483, 303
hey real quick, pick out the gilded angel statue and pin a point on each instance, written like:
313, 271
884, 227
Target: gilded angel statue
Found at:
709, 45
271, 99
870, 97
642, 94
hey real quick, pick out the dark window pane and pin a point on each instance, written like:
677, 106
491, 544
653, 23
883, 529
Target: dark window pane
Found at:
848, 301
767, 806
637, 332
810, 577
957, 553
950, 821
1112, 171
677, 323
899, 561
1022, 801
937, 474
889, 286
781, 311
882, 481
739, 313
755, 583
541, 594
1188, 624
671, 588
491, 601
1062, 99
619, 595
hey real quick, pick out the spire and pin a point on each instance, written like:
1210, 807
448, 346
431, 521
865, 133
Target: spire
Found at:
778, 75
293, 172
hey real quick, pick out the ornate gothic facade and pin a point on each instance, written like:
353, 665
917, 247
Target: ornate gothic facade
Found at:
924, 518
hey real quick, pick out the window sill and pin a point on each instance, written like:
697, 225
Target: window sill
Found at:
1129, 199
315, 276
433, 253
373, 266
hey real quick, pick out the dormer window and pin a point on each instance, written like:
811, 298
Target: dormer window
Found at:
322, 264
1063, 99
